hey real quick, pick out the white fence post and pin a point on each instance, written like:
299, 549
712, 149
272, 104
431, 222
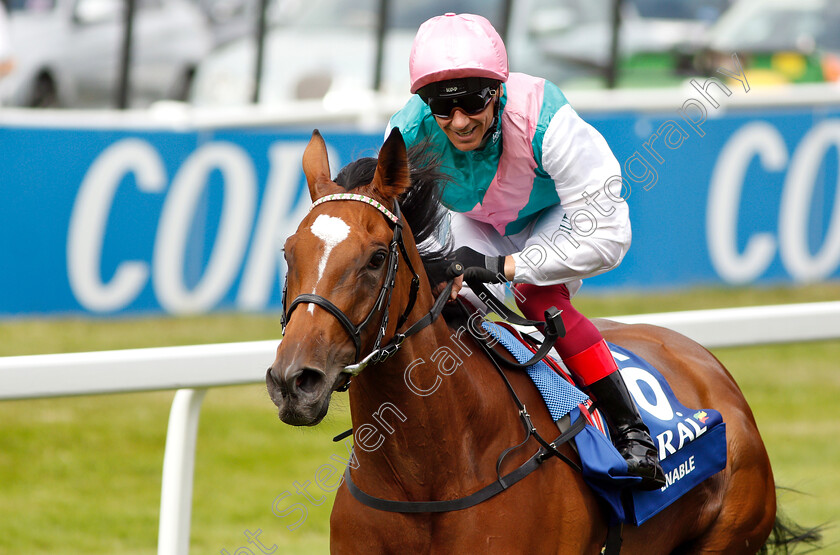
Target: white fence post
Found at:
178, 464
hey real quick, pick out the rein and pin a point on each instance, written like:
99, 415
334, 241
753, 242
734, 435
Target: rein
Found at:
553, 325
553, 329
546, 451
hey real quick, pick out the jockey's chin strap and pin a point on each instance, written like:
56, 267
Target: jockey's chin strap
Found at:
383, 300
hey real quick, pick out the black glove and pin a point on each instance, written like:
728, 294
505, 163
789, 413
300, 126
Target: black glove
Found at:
480, 267
445, 269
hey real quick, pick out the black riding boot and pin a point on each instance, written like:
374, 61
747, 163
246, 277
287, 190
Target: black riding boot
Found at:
631, 435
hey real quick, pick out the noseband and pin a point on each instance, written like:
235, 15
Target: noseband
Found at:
383, 300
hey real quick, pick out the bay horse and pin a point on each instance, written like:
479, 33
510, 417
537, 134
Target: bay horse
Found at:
430, 425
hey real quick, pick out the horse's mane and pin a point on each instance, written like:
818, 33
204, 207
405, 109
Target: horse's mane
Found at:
420, 204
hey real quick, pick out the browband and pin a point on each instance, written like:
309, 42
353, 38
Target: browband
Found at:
361, 198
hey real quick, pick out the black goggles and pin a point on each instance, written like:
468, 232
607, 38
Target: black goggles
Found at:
470, 103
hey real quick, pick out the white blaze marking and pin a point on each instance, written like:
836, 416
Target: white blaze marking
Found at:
331, 231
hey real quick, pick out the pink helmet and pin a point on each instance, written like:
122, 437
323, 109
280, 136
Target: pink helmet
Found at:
453, 46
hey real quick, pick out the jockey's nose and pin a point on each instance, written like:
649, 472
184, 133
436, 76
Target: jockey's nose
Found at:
459, 118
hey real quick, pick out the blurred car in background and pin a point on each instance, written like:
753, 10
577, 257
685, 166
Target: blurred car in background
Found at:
233, 19
656, 42
229, 19
777, 41
67, 52
324, 49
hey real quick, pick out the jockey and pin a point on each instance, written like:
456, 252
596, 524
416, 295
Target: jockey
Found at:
534, 198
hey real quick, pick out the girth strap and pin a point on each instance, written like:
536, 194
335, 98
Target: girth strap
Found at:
471, 500
612, 546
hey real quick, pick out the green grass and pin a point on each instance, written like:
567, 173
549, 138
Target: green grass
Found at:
82, 475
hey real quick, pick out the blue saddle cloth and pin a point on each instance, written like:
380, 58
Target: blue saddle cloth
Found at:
691, 442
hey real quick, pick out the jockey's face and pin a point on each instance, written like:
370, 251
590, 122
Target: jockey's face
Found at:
466, 131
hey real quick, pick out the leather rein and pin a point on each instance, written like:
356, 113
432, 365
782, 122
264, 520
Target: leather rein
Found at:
553, 329
546, 451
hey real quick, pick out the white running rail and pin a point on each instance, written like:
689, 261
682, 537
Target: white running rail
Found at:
193, 369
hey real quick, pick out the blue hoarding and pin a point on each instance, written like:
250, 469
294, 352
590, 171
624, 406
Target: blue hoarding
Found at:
111, 221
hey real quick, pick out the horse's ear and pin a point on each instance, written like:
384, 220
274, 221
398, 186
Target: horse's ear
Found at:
316, 166
392, 176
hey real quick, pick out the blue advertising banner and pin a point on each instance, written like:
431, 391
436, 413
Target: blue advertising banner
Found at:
120, 221
746, 197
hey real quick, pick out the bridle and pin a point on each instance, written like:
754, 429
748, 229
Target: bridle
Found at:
383, 300
380, 353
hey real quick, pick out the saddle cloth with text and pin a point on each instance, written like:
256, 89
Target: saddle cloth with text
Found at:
691, 442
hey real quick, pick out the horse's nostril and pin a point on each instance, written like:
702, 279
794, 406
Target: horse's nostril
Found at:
270, 375
308, 380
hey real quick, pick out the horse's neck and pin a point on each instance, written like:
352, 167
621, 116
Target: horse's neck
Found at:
428, 410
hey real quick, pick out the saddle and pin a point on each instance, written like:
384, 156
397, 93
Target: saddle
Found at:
691, 442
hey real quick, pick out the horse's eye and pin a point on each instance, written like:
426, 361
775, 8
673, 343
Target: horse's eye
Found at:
377, 260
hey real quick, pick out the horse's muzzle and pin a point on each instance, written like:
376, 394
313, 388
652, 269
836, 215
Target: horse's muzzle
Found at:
301, 394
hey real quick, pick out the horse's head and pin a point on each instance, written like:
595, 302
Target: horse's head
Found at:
339, 269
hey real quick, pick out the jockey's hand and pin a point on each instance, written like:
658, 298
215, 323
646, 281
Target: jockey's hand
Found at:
457, 283
480, 267
441, 271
